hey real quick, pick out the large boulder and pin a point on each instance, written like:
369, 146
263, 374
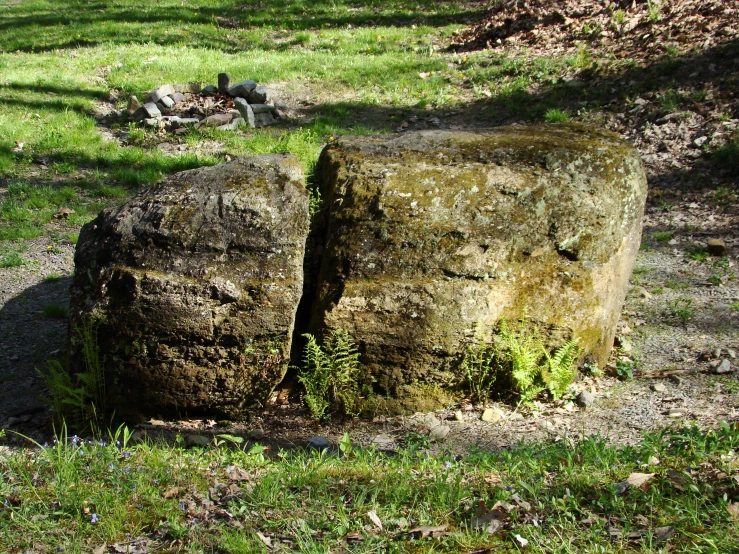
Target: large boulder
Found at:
193, 287
431, 235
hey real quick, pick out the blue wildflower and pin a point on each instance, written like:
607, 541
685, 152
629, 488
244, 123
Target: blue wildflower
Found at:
94, 518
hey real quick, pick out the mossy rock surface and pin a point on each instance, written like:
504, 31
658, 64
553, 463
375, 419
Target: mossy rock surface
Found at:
429, 235
195, 284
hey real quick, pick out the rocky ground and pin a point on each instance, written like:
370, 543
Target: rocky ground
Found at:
679, 335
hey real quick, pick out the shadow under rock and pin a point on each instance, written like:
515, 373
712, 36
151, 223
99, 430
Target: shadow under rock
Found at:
29, 340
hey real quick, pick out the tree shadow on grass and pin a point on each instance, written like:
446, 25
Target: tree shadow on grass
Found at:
69, 27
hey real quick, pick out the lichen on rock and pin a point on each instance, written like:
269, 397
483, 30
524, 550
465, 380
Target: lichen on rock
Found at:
195, 283
430, 234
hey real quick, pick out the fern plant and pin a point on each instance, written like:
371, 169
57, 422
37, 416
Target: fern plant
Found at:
330, 375
559, 370
521, 363
523, 352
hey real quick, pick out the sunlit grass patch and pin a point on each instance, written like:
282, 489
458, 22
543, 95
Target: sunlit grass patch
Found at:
231, 496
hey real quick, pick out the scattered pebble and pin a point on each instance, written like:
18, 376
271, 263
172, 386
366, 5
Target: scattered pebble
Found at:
255, 434
492, 415
716, 247
197, 440
723, 367
585, 399
658, 387
439, 432
383, 441
318, 443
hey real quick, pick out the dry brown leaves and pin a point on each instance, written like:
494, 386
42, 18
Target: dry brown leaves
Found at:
628, 29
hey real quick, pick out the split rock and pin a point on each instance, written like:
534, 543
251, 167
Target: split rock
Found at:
194, 285
167, 101
430, 233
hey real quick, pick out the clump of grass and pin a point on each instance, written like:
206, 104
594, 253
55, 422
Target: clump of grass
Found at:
553, 115
12, 259
683, 309
54, 311
79, 399
697, 253
662, 236
480, 367
728, 157
52, 277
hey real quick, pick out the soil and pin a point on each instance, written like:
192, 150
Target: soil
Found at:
674, 100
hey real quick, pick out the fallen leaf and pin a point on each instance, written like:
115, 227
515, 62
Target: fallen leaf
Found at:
236, 473
491, 521
521, 503
426, 530
662, 533
266, 540
63, 213
639, 480
102, 549
375, 519
171, 493
642, 520
679, 479
492, 478
521, 541
353, 536
733, 509
424, 74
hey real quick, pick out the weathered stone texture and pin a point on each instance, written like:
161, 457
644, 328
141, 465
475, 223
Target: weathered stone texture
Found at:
431, 234
195, 284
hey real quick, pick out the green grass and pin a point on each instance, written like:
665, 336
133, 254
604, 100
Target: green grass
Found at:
662, 236
54, 311
10, 254
554, 115
697, 253
75, 495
